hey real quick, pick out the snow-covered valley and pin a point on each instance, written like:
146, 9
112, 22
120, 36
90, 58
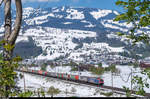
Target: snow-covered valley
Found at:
70, 33
123, 79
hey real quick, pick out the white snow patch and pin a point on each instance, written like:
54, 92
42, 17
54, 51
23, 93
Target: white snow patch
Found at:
100, 13
102, 46
22, 38
67, 22
74, 14
116, 12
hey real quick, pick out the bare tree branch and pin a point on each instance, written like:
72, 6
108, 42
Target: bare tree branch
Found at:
17, 27
1, 2
7, 10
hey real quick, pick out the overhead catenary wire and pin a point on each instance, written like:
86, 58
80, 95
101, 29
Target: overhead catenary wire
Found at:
130, 74
127, 78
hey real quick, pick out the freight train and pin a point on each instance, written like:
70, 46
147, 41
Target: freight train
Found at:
85, 79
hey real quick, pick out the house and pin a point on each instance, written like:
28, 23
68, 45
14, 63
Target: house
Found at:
144, 64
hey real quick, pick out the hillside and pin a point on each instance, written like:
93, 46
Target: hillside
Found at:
70, 33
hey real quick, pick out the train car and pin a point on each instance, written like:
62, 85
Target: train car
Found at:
44, 73
101, 81
32, 71
65, 76
40, 72
58, 75
74, 77
93, 80
83, 78
68, 76
35, 71
51, 74
62, 76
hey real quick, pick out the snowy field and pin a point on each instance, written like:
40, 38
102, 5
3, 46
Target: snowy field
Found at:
33, 82
123, 79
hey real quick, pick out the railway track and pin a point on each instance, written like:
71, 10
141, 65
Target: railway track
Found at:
115, 89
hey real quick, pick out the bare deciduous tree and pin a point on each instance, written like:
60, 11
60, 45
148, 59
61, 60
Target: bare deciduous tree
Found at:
10, 35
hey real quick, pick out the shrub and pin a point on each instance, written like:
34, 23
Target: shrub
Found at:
128, 94
98, 71
74, 69
44, 67
107, 93
21, 75
73, 90
112, 68
53, 91
100, 65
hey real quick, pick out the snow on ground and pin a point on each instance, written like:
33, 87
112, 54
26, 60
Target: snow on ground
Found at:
34, 82
55, 42
21, 38
110, 25
115, 12
27, 11
74, 14
118, 81
102, 46
67, 22
61, 42
100, 13
1, 29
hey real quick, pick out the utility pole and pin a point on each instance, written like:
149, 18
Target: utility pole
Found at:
24, 82
131, 78
112, 80
78, 70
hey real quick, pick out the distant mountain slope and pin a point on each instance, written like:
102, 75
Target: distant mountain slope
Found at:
70, 33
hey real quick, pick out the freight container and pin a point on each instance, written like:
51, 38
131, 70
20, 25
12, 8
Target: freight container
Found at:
74, 77
45, 73
65, 76
49, 74
61, 75
29, 70
40, 71
35, 71
52, 74
68, 76
57, 75
83, 78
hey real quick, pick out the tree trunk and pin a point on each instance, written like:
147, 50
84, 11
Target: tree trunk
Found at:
7, 9
10, 35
